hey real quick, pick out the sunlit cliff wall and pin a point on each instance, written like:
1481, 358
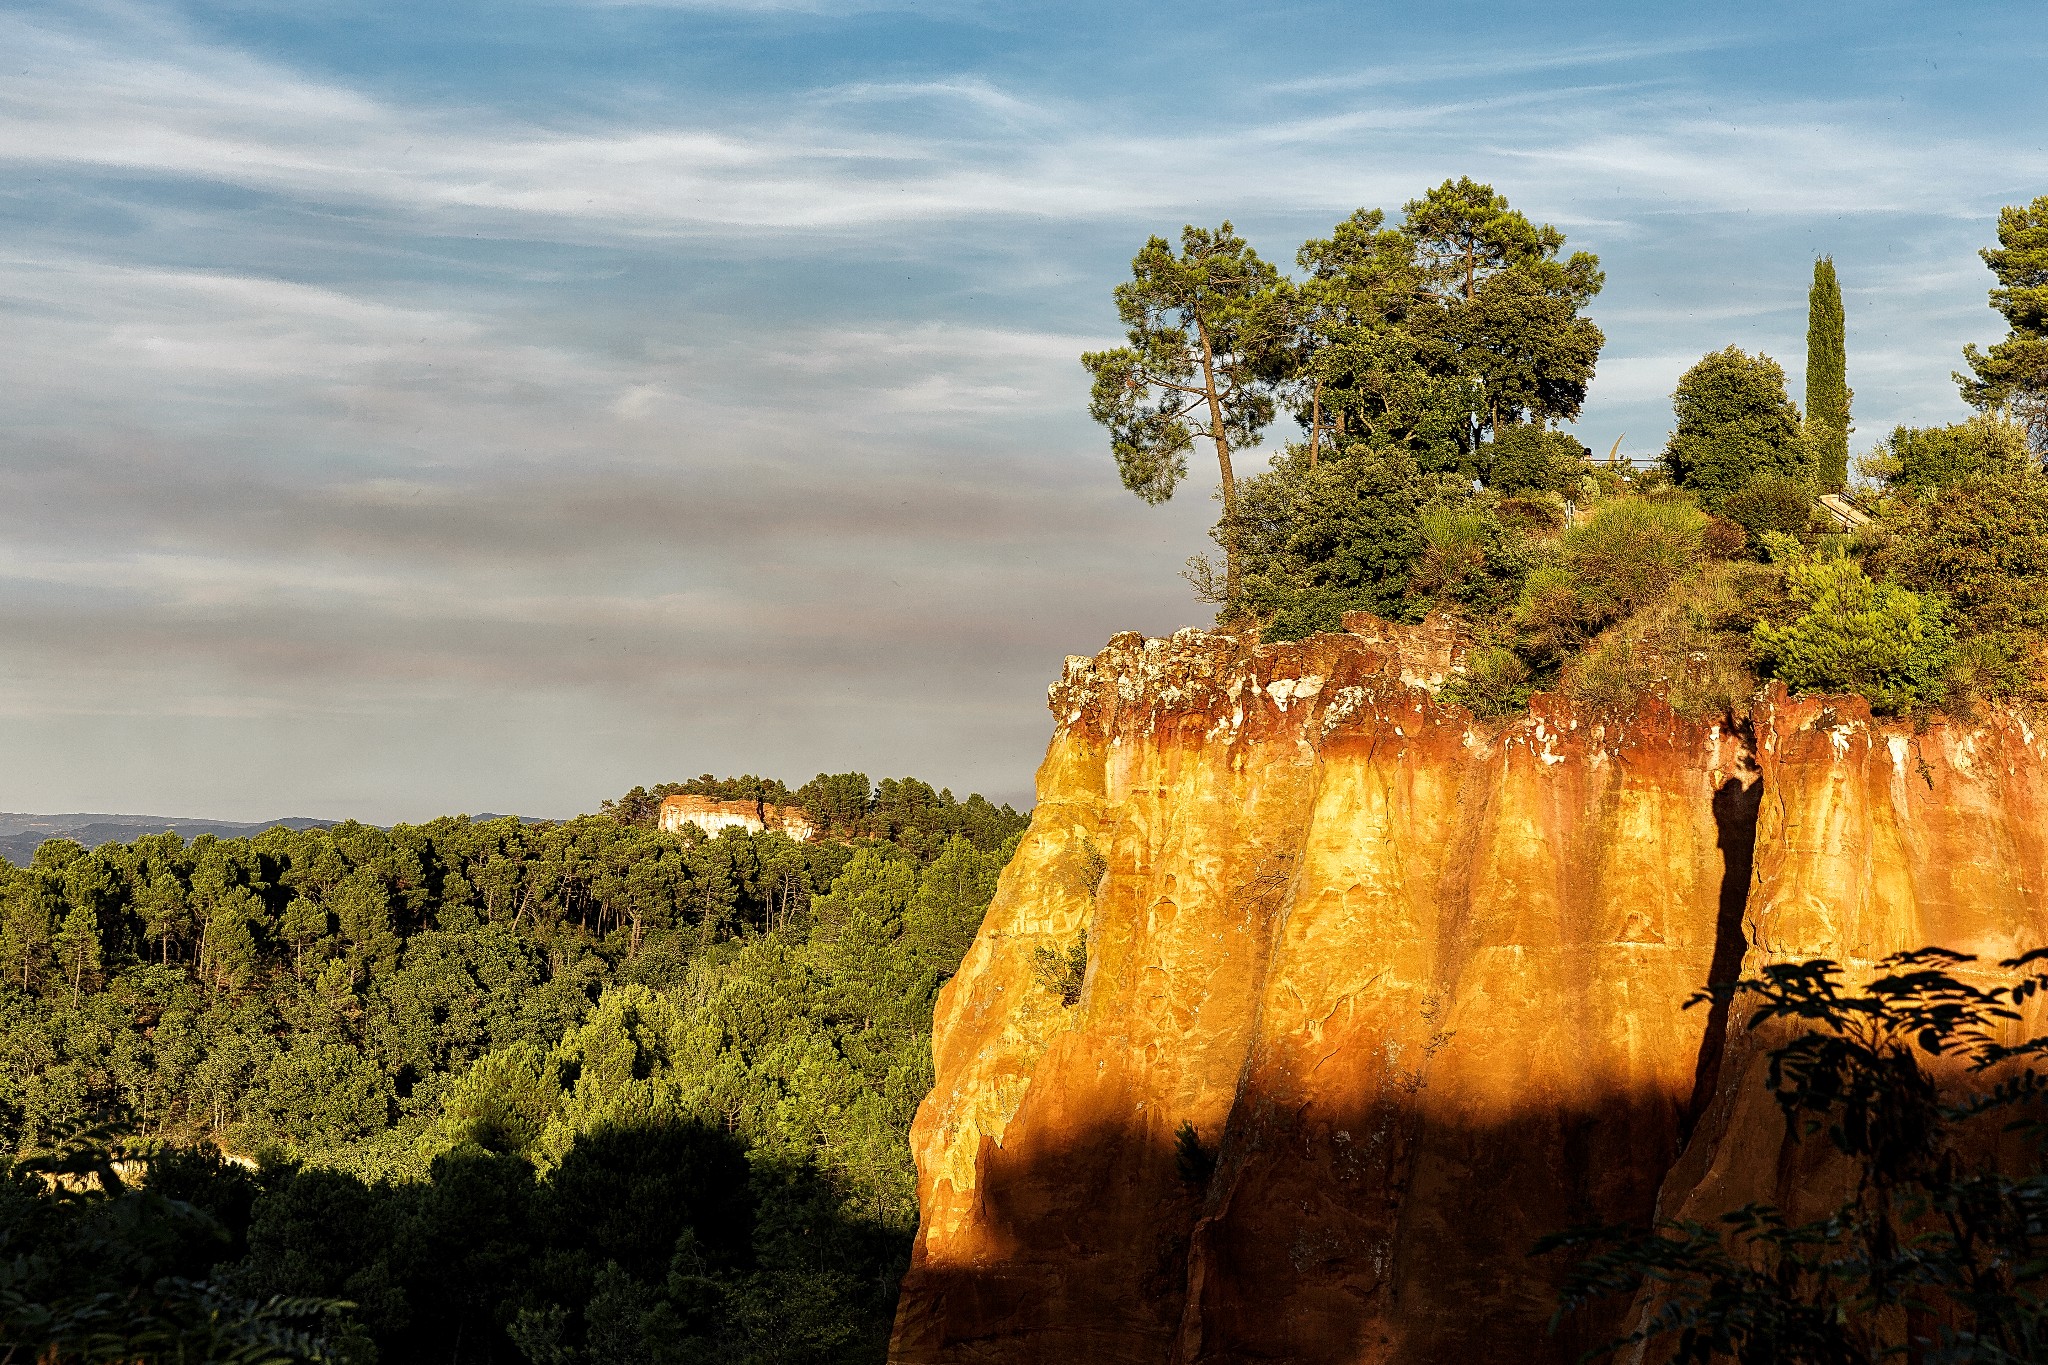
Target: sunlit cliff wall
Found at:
1414, 980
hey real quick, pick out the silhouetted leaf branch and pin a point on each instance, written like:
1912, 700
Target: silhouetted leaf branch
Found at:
1937, 1256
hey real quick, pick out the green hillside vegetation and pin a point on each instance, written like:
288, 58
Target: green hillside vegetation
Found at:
581, 1091
1427, 365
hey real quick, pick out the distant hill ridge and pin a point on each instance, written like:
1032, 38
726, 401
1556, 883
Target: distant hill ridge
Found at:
21, 832
841, 806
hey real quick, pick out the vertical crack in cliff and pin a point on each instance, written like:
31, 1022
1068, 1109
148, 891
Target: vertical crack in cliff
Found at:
1737, 802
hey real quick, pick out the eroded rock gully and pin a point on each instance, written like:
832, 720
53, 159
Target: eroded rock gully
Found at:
1416, 983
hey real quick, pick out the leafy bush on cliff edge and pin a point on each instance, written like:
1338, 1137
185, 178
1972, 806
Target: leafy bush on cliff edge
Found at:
1853, 634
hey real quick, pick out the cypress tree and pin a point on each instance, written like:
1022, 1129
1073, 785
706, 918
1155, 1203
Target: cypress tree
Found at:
1827, 378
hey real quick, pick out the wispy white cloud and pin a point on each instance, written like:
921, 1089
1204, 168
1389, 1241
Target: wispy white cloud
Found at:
177, 349
178, 106
1493, 66
1791, 160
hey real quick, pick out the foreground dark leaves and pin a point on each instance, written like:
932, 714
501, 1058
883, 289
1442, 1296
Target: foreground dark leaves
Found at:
1939, 1253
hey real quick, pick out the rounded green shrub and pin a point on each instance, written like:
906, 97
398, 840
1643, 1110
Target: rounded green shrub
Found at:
1771, 502
1735, 425
1879, 640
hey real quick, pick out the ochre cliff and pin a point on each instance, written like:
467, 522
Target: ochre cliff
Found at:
1415, 981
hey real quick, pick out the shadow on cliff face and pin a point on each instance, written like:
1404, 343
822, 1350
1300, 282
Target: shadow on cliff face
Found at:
1079, 1252
1404, 1236
1736, 806
1327, 1236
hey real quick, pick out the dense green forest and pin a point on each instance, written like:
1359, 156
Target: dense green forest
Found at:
1429, 363
547, 1092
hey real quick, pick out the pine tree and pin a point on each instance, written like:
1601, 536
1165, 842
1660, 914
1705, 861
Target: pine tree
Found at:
77, 945
1827, 378
1208, 330
2013, 374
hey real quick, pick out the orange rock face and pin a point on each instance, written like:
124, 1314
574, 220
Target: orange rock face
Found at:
1412, 983
1874, 838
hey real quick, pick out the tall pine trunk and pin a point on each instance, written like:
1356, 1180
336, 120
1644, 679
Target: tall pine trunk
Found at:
1315, 425
1222, 444
1827, 379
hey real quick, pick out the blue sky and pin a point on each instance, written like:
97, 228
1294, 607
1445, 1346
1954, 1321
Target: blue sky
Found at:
412, 409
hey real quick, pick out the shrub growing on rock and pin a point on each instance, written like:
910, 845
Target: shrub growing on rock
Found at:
1627, 554
1319, 540
1494, 683
1691, 646
1471, 561
1886, 642
1982, 544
